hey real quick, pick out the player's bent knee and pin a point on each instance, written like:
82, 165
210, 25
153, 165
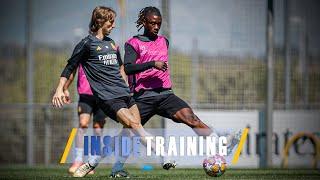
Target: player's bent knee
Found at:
83, 125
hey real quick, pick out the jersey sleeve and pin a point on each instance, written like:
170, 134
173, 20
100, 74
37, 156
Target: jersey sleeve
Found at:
119, 57
130, 57
167, 42
80, 53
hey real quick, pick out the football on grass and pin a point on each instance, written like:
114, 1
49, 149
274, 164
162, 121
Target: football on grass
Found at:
214, 166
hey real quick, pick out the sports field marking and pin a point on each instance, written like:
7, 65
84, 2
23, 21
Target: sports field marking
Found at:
68, 146
240, 146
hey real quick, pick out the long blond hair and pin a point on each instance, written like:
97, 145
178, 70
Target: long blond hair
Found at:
100, 15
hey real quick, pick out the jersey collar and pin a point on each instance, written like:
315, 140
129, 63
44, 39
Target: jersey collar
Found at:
145, 38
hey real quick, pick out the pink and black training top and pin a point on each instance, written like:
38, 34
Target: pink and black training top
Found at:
141, 53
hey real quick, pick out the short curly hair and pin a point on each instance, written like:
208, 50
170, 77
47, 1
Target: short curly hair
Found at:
143, 13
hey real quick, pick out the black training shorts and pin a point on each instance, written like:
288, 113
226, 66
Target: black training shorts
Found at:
165, 105
112, 106
88, 104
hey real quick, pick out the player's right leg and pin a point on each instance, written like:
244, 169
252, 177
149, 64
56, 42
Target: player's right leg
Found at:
84, 119
117, 109
130, 118
85, 107
145, 111
118, 170
126, 112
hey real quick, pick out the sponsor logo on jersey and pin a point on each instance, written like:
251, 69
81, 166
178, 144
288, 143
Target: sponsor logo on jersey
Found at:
109, 59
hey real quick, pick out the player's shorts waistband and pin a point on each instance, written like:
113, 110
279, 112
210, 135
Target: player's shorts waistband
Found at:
152, 92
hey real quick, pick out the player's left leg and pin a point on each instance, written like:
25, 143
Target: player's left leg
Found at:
186, 116
179, 111
144, 110
99, 120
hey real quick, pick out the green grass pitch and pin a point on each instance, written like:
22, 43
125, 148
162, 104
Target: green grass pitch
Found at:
60, 172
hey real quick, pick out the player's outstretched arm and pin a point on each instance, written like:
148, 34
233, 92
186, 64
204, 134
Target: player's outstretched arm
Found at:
58, 98
70, 80
123, 74
78, 54
66, 86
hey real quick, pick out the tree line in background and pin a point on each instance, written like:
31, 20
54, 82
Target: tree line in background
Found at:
224, 80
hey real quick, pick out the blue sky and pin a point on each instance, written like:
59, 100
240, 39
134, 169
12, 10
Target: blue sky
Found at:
221, 26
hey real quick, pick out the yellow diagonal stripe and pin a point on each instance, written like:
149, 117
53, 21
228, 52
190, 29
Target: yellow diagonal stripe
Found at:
240, 146
68, 146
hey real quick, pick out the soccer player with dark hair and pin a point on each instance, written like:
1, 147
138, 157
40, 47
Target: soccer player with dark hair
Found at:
100, 59
146, 64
